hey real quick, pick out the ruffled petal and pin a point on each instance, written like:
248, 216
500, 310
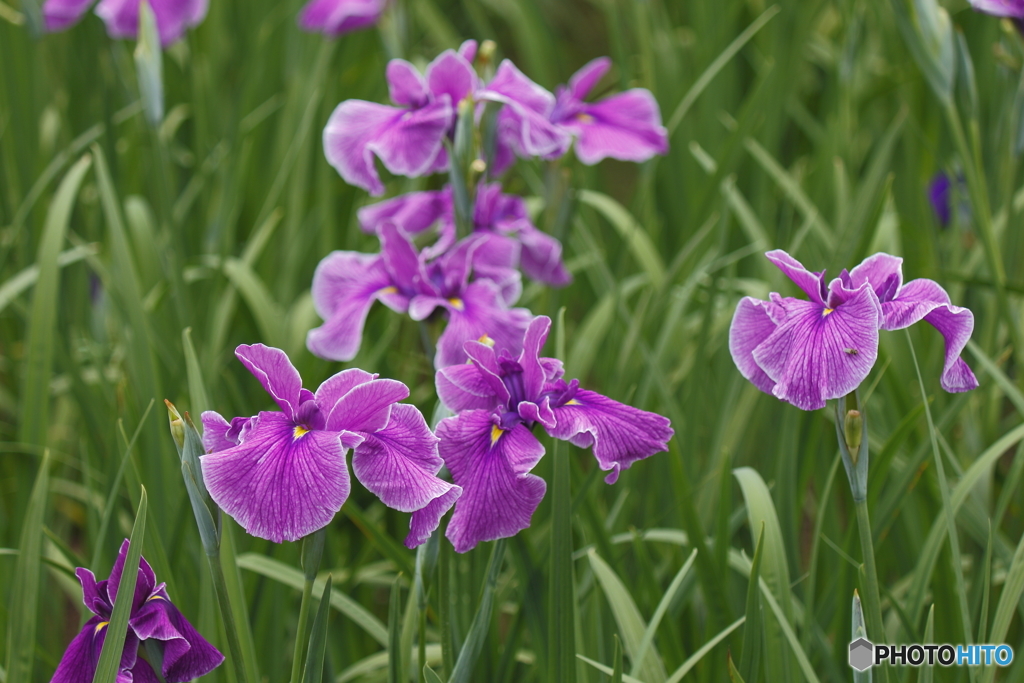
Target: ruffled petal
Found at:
353, 125
281, 483
406, 85
584, 80
499, 495
425, 520
466, 387
884, 273
999, 8
626, 126
144, 584
412, 212
541, 257
523, 122
172, 17
94, 595
534, 375
186, 654
275, 371
812, 283
817, 353
751, 325
334, 388
511, 84
215, 432
480, 312
409, 145
345, 285
450, 74
336, 17
365, 408
61, 14
403, 264
620, 434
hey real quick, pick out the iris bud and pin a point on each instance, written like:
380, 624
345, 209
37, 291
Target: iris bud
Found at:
177, 425
853, 429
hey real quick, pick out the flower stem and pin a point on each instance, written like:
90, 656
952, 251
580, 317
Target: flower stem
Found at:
312, 551
220, 589
876, 630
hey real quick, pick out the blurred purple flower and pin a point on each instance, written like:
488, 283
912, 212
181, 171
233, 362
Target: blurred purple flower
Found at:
805, 352
283, 475
489, 447
502, 215
186, 654
347, 283
939, 191
173, 17
1013, 9
409, 138
336, 17
626, 126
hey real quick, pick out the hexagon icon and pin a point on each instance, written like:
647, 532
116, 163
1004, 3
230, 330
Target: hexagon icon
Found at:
861, 654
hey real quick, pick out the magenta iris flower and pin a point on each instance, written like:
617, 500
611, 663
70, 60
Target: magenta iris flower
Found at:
173, 17
805, 352
1013, 9
474, 284
626, 126
409, 138
489, 447
336, 17
495, 213
283, 475
186, 654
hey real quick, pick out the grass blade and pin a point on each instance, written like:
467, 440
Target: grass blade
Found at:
395, 658
561, 616
318, 638
662, 608
750, 659
463, 670
1013, 587
636, 238
13, 287
693, 659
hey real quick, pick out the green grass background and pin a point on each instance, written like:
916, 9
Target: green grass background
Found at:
819, 136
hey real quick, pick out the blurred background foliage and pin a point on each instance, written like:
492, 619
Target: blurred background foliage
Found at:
818, 135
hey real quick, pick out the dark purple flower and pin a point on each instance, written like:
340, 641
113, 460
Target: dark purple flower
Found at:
626, 126
939, 191
283, 475
805, 352
173, 17
409, 138
186, 654
474, 283
336, 17
502, 215
489, 447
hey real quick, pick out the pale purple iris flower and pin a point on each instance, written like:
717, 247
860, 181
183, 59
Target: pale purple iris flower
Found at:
474, 283
1012, 9
283, 475
173, 17
408, 138
337, 17
805, 352
495, 213
489, 447
186, 654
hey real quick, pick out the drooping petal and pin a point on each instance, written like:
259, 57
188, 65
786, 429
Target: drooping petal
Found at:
626, 126
812, 283
186, 654
512, 84
524, 119
926, 300
350, 130
499, 495
94, 595
533, 372
142, 672
335, 17
818, 353
366, 407
412, 212
173, 17
405, 269
467, 387
144, 584
541, 257
1000, 8
275, 371
78, 665
281, 483
425, 520
751, 325
334, 388
450, 74
399, 464
215, 432
584, 80
480, 312
406, 85
345, 285
409, 145
620, 434
61, 14
883, 271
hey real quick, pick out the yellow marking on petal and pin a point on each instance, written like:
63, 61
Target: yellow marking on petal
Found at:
572, 402
154, 597
584, 118
827, 311
300, 430
457, 303
388, 290
486, 341
496, 433
99, 626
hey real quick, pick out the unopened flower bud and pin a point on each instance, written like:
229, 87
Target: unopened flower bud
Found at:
853, 430
486, 52
177, 425
478, 166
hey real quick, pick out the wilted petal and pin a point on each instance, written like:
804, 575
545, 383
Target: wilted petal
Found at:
584, 80
412, 212
812, 283
345, 285
427, 518
620, 434
480, 312
335, 17
751, 325
275, 371
450, 74
281, 483
467, 387
399, 464
60, 14
817, 353
410, 143
626, 126
186, 654
493, 467
927, 300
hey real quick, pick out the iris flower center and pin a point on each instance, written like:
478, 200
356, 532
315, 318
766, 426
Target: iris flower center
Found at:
496, 433
299, 431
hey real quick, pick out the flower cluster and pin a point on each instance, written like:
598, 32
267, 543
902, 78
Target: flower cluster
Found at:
185, 654
805, 352
173, 17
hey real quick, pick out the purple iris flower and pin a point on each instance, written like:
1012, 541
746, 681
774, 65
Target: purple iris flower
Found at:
186, 654
626, 126
173, 17
502, 215
336, 17
939, 191
409, 138
346, 284
489, 447
805, 352
283, 475
1013, 9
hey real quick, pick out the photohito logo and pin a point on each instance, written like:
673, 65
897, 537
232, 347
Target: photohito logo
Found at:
865, 654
